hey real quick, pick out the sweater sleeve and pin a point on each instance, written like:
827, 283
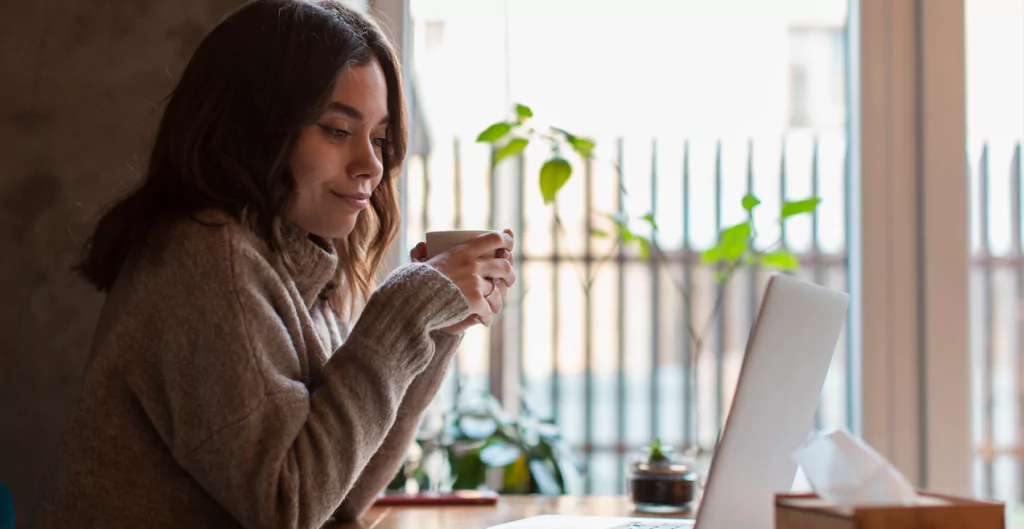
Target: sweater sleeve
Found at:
388, 459
228, 399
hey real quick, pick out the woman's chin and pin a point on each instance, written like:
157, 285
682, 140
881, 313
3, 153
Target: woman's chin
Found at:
336, 230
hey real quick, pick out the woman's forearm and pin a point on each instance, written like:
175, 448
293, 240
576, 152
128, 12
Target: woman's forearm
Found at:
389, 457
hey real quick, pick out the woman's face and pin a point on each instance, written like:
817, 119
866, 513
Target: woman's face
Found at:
338, 161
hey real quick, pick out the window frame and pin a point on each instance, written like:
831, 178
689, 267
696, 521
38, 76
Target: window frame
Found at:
908, 161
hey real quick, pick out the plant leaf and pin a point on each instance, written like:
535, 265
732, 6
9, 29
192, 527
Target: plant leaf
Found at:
645, 248
656, 453
544, 475
517, 477
733, 242
398, 482
780, 260
496, 410
712, 255
567, 470
750, 202
494, 132
739, 232
548, 430
553, 175
733, 250
649, 218
568, 135
529, 435
499, 454
598, 233
524, 112
619, 217
800, 206
582, 146
621, 220
626, 236
469, 471
512, 148
477, 426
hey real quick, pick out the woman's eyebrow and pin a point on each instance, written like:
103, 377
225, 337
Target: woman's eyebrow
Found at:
350, 111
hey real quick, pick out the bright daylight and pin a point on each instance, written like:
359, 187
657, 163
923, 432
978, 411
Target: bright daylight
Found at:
513, 264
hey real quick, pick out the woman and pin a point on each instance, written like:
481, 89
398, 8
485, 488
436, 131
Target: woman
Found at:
221, 390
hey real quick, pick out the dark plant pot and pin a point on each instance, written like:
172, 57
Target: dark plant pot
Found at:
662, 486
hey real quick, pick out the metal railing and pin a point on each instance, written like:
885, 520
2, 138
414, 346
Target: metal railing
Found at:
610, 363
997, 290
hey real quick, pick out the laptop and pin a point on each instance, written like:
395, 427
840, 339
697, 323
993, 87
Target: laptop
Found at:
788, 354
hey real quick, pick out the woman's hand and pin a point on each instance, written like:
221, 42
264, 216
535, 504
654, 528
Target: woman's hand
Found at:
482, 269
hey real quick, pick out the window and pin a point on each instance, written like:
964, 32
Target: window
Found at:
995, 121
817, 77
695, 116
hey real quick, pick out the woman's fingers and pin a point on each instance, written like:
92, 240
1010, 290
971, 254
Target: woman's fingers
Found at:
492, 292
419, 253
486, 318
496, 302
497, 298
489, 243
488, 287
475, 290
504, 254
482, 269
497, 269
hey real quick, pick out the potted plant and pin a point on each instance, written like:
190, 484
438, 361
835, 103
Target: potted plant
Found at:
479, 446
661, 483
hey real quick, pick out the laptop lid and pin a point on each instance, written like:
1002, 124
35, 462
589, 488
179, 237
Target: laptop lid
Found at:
787, 357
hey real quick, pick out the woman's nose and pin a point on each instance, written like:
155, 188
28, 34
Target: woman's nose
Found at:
367, 162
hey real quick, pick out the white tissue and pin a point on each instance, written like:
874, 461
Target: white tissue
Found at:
844, 470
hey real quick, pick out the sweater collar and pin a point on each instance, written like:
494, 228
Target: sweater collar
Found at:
313, 261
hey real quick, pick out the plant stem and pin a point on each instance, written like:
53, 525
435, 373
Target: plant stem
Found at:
656, 251
587, 282
719, 297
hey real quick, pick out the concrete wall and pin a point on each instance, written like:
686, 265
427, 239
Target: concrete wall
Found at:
81, 82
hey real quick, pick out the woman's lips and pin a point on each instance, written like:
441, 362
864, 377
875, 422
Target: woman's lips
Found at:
355, 200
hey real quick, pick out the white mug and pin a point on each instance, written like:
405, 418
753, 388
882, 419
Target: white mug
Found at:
441, 241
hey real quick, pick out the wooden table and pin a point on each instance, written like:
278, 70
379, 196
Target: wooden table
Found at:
509, 508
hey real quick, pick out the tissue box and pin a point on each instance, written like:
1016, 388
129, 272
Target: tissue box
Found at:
807, 511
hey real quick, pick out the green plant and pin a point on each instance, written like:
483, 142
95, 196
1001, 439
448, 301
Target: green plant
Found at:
656, 452
512, 137
482, 445
735, 249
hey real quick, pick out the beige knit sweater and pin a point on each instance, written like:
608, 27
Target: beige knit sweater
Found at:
211, 397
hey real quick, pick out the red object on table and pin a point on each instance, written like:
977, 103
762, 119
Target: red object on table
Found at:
455, 497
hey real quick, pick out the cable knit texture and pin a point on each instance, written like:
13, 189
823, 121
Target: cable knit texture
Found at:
211, 397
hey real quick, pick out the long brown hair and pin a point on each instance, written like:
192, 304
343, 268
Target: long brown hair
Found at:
262, 75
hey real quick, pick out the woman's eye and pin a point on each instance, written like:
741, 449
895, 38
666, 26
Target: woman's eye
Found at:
333, 132
380, 142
